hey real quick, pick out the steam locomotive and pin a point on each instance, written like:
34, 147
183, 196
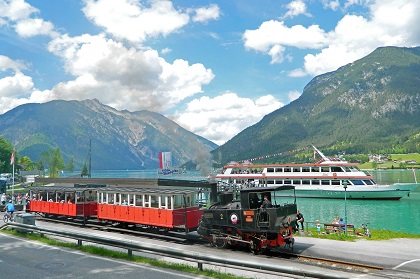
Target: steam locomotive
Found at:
246, 222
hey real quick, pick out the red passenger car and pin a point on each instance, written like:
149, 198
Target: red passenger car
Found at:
63, 201
163, 208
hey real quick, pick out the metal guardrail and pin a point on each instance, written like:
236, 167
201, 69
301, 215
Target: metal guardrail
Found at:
174, 253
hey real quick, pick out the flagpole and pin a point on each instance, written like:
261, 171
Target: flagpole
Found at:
12, 162
13, 181
13, 175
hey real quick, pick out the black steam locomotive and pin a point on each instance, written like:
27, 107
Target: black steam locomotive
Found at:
249, 221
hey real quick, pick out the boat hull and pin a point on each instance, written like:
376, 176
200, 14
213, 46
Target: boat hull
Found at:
379, 192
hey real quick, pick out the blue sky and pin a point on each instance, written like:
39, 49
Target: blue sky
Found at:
214, 67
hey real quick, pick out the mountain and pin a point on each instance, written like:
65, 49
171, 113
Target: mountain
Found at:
370, 105
120, 139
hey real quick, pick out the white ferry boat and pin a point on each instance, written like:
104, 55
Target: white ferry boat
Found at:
327, 178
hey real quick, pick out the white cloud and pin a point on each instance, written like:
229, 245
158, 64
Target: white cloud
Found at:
7, 63
297, 73
354, 36
351, 3
222, 117
206, 14
166, 50
295, 8
274, 32
130, 20
125, 78
293, 95
16, 9
34, 26
17, 13
276, 53
15, 86
331, 4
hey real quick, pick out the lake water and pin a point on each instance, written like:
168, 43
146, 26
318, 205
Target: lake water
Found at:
402, 215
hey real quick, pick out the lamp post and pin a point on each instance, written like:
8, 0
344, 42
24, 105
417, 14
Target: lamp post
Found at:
345, 206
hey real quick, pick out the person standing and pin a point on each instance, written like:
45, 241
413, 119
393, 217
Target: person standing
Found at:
3, 199
299, 220
266, 203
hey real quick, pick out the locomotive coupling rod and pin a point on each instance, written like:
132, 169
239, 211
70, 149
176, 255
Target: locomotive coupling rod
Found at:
177, 253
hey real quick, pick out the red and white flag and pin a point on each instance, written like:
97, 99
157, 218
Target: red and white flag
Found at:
12, 159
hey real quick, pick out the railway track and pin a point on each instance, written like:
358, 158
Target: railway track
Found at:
186, 239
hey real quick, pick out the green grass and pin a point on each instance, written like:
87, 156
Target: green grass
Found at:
396, 165
376, 235
94, 250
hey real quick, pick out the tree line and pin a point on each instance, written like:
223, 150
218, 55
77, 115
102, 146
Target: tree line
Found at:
50, 160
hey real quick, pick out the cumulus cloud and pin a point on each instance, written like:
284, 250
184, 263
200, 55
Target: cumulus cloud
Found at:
15, 10
34, 26
125, 78
295, 8
222, 117
354, 36
6, 63
16, 85
130, 20
17, 14
273, 35
205, 14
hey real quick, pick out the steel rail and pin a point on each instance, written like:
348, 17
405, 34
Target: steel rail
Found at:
175, 253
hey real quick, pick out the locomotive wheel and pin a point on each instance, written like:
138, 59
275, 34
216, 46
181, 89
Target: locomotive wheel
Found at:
254, 247
220, 242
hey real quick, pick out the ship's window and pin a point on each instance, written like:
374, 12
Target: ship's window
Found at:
287, 182
325, 182
306, 182
335, 182
279, 169
314, 169
336, 169
270, 169
270, 181
325, 169
287, 169
368, 182
296, 182
305, 169
296, 169
347, 169
357, 182
315, 182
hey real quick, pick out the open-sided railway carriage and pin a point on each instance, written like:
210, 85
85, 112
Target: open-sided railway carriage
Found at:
162, 208
169, 209
63, 201
245, 222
